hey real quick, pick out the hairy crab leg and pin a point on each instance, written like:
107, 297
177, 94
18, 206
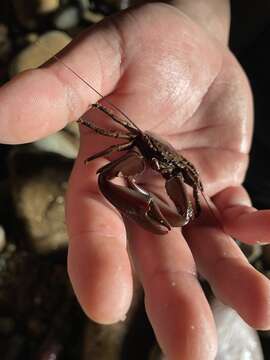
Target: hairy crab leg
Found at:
110, 133
193, 181
110, 150
177, 192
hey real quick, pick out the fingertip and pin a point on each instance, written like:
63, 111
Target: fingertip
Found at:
258, 312
247, 224
181, 317
232, 196
102, 281
244, 289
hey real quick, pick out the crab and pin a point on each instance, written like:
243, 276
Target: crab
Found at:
142, 150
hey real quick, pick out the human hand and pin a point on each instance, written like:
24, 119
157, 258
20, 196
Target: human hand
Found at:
171, 78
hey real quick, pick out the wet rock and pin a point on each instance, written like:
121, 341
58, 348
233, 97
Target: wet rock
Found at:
47, 6
36, 303
67, 18
106, 342
156, 354
85, 4
236, 340
103, 342
266, 255
107, 7
39, 182
73, 129
252, 252
5, 44
124, 4
31, 37
64, 142
36, 54
2, 238
92, 17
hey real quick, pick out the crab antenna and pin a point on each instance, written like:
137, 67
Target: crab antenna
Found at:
56, 57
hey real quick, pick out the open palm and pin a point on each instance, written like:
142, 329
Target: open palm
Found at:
174, 80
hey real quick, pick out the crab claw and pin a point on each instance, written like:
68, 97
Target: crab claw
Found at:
135, 202
139, 207
176, 190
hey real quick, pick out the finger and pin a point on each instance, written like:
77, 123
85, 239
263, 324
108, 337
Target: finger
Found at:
38, 102
98, 262
175, 303
231, 277
240, 219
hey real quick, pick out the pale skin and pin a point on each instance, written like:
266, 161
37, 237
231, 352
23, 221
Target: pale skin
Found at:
178, 81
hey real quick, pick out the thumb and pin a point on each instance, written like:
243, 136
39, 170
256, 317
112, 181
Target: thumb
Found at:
39, 102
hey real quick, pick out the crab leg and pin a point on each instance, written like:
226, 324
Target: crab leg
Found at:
110, 133
176, 190
109, 151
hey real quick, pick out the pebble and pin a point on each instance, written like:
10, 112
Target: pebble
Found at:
252, 252
5, 44
103, 342
85, 4
39, 182
47, 6
124, 4
92, 17
266, 255
106, 342
67, 18
236, 339
2, 238
31, 37
63, 142
36, 54
156, 354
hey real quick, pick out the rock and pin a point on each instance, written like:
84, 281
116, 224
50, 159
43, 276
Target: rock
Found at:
124, 4
73, 129
64, 142
103, 342
106, 342
31, 37
156, 354
2, 238
85, 4
37, 303
5, 44
39, 182
36, 54
92, 17
67, 18
252, 252
266, 255
236, 340
47, 6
